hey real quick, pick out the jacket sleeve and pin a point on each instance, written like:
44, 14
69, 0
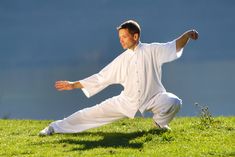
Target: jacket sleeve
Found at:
165, 52
111, 74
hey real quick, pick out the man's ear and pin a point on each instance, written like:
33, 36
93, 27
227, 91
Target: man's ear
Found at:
136, 36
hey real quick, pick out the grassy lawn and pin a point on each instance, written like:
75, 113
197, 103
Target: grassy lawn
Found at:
127, 137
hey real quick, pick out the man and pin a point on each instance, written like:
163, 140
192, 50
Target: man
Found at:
138, 70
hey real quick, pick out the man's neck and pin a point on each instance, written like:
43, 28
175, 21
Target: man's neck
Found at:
134, 46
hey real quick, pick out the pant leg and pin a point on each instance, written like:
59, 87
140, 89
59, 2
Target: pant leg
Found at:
164, 107
106, 112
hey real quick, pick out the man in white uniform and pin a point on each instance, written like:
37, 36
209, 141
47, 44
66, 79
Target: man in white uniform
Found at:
138, 70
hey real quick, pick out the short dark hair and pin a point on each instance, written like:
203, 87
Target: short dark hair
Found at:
132, 26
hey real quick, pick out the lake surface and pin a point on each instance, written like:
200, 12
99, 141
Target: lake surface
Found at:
34, 96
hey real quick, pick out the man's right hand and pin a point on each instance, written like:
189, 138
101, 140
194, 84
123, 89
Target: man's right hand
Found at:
64, 85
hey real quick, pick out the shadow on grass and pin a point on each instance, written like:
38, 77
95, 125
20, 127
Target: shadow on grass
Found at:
114, 140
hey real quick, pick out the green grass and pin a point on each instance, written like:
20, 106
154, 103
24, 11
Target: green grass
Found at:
127, 137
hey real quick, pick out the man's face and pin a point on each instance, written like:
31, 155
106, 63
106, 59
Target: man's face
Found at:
127, 40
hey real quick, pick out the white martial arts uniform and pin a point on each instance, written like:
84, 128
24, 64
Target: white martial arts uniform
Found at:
139, 72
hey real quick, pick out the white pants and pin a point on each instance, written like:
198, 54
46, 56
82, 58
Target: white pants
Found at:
164, 107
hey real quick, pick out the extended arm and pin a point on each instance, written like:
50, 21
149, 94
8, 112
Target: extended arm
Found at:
184, 38
67, 85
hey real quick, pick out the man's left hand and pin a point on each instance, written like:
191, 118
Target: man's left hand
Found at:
193, 34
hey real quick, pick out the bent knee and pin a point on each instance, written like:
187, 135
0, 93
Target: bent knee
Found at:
169, 98
176, 104
175, 101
